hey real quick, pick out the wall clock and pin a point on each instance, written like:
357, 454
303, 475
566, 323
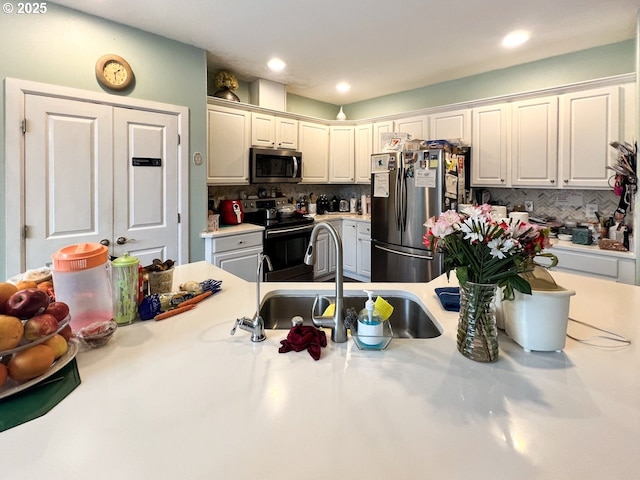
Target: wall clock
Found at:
114, 72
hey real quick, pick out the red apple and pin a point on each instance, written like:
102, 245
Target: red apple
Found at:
66, 332
27, 303
40, 326
60, 310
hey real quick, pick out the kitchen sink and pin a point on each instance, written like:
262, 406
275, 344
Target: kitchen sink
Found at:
409, 319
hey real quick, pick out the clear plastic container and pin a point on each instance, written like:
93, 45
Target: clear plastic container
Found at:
82, 280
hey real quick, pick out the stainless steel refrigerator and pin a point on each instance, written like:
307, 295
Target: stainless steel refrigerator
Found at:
407, 189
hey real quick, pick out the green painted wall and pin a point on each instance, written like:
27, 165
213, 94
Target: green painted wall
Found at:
61, 48
609, 60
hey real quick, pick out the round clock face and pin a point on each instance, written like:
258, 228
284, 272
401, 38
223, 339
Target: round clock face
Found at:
114, 72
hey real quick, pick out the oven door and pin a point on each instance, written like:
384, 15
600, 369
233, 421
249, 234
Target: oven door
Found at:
286, 247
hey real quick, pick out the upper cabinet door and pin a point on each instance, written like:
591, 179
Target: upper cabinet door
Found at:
286, 133
229, 140
417, 127
589, 121
489, 146
534, 142
273, 132
451, 125
363, 150
342, 154
378, 129
313, 141
263, 130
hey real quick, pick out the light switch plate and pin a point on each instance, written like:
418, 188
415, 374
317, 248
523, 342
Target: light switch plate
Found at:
528, 204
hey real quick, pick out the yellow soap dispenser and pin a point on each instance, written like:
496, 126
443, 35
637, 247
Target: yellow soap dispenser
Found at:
370, 327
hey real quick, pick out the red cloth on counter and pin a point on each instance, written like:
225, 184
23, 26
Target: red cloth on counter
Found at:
303, 337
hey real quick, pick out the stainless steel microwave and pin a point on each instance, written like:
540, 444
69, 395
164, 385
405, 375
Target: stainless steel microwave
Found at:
275, 166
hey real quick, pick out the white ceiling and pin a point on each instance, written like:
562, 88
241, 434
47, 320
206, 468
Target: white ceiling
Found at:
379, 47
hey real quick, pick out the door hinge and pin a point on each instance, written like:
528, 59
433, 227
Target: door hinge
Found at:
179, 218
23, 126
178, 139
25, 232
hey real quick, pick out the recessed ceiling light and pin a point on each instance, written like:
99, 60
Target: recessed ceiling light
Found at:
343, 87
276, 65
515, 39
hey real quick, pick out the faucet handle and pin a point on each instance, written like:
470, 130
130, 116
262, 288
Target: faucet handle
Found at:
236, 325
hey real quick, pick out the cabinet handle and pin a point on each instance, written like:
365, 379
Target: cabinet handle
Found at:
552, 181
566, 180
502, 180
240, 242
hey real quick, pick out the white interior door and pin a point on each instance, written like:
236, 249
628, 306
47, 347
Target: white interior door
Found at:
97, 173
68, 175
145, 203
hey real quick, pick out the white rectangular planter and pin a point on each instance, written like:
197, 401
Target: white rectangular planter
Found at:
538, 321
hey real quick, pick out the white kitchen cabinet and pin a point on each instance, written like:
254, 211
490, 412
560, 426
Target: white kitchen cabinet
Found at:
237, 254
325, 265
378, 129
350, 245
609, 267
628, 114
342, 154
363, 151
313, 142
452, 125
364, 250
228, 143
270, 131
489, 146
417, 127
534, 142
356, 247
589, 121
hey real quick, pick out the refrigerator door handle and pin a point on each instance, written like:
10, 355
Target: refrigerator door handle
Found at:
404, 202
412, 255
397, 194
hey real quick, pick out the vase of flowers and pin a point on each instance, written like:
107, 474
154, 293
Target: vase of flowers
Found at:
487, 254
226, 83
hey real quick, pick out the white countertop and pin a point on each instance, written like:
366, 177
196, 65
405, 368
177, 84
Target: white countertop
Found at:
591, 249
343, 216
181, 398
227, 230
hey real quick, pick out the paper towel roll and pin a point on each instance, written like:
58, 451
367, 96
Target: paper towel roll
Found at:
519, 216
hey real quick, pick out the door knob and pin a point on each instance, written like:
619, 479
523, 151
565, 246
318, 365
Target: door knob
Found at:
105, 242
122, 240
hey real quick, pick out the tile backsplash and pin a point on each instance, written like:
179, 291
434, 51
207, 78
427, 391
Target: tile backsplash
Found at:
561, 204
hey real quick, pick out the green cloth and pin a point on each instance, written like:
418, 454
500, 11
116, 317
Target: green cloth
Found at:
38, 399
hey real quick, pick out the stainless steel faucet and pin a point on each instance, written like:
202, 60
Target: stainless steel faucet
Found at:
338, 328
255, 325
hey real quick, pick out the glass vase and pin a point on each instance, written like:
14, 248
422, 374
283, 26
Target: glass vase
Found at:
477, 331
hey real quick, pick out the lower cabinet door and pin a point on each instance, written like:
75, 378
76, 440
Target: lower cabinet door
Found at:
242, 263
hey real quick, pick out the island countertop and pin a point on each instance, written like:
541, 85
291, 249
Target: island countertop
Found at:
181, 398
